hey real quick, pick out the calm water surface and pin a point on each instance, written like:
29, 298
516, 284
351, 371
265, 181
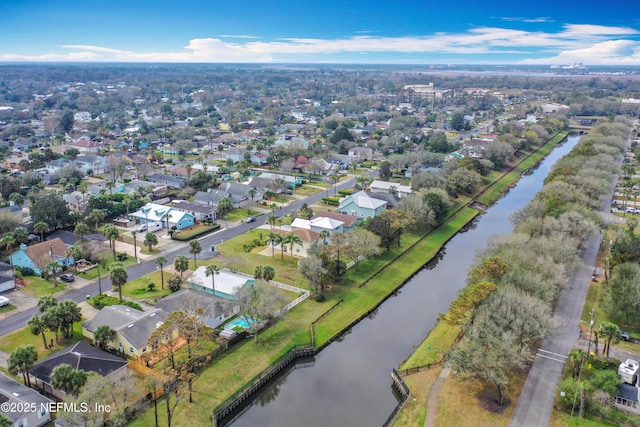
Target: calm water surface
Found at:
348, 383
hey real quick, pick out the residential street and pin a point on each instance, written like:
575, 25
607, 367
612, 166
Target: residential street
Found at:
18, 320
539, 392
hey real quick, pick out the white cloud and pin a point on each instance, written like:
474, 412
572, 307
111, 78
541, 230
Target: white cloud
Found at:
612, 52
590, 43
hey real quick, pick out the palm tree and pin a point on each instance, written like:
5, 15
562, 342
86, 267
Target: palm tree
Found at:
272, 220
167, 216
252, 193
257, 272
70, 380
195, 248
103, 335
37, 326
119, 277
21, 361
83, 188
111, 233
160, 261
324, 234
181, 264
150, 240
41, 228
610, 332
274, 239
53, 267
73, 252
7, 242
51, 318
135, 244
97, 216
81, 230
268, 272
576, 356
212, 270
294, 240
110, 186
286, 240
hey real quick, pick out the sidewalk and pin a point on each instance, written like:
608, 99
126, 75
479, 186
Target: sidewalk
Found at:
432, 403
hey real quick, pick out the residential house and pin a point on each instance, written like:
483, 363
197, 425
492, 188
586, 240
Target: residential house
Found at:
362, 205
348, 221
264, 184
319, 224
39, 255
390, 187
360, 154
75, 200
199, 211
291, 141
133, 327
241, 192
168, 180
215, 310
211, 198
23, 398
391, 199
152, 212
227, 283
81, 356
95, 163
290, 180
307, 237
7, 281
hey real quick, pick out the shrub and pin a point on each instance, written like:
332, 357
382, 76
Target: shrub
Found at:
151, 287
333, 201
248, 247
139, 291
122, 257
104, 300
345, 192
175, 282
319, 298
26, 271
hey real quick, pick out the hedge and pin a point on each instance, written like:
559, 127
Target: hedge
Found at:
184, 236
100, 301
334, 201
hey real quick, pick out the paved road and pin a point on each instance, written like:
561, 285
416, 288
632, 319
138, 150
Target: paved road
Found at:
19, 320
539, 392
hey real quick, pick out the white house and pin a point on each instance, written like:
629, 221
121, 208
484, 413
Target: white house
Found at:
390, 187
227, 283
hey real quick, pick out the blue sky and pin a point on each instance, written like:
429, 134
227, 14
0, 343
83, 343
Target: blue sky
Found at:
594, 32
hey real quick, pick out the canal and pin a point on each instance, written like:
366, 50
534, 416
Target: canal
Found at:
348, 383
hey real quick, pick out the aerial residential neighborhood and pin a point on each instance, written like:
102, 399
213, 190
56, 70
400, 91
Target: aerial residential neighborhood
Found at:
208, 232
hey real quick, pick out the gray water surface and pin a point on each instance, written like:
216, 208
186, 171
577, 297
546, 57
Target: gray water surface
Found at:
349, 382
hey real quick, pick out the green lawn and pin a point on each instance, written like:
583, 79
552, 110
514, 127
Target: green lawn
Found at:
104, 271
24, 336
7, 308
142, 283
195, 230
37, 286
433, 348
306, 191
239, 214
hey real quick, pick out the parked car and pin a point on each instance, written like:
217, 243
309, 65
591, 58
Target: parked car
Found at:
625, 336
142, 228
67, 277
251, 219
4, 301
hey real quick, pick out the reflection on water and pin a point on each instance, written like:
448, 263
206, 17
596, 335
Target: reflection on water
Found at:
349, 384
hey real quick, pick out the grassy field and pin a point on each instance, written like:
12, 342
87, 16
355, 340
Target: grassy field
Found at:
24, 337
360, 300
414, 410
433, 348
104, 271
7, 308
233, 370
36, 286
143, 282
479, 409
306, 191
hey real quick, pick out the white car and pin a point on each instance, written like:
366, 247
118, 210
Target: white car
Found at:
4, 301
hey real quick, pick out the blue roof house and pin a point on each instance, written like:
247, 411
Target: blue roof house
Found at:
362, 205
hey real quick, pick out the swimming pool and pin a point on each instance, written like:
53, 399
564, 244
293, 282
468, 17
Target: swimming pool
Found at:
238, 322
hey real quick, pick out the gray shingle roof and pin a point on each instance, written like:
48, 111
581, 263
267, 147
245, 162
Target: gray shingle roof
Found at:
13, 391
134, 325
80, 356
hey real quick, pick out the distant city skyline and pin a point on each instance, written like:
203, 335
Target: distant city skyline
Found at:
592, 32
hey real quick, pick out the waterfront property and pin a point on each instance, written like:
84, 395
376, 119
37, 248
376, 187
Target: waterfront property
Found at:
227, 283
81, 356
362, 205
133, 327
